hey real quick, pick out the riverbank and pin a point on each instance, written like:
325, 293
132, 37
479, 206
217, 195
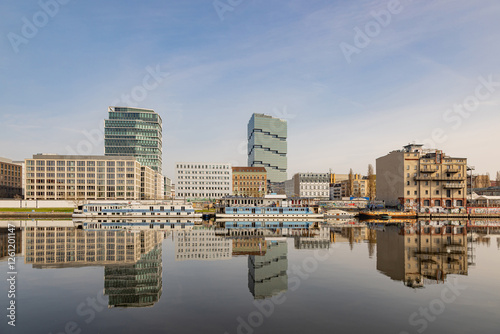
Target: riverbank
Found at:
41, 213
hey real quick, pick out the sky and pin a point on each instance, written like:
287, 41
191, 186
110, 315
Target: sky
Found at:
354, 79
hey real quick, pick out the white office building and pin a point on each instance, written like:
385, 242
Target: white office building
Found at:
203, 180
312, 185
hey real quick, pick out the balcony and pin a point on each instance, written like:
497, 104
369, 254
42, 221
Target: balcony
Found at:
428, 170
452, 169
454, 186
438, 178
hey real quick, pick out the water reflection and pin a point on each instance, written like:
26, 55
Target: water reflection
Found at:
201, 245
4, 243
135, 285
415, 253
132, 260
267, 274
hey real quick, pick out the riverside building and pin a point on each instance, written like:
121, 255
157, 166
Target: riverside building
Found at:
267, 146
11, 177
249, 181
202, 180
313, 185
422, 180
134, 132
78, 177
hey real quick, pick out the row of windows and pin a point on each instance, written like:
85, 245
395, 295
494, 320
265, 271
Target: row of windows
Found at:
250, 183
10, 172
202, 195
79, 176
190, 166
437, 192
249, 177
71, 163
52, 194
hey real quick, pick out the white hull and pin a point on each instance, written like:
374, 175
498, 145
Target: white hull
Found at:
136, 215
271, 216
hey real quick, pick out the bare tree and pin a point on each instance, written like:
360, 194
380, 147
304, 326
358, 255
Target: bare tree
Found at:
371, 183
350, 185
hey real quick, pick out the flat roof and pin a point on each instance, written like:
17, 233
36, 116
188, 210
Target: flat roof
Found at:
81, 157
249, 169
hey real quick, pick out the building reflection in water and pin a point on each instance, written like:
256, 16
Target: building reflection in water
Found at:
135, 285
267, 274
4, 242
319, 239
417, 253
355, 234
201, 245
132, 260
249, 246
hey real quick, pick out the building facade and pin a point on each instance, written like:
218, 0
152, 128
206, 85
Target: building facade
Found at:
11, 179
75, 177
267, 146
423, 180
357, 187
134, 132
313, 185
167, 188
202, 180
249, 181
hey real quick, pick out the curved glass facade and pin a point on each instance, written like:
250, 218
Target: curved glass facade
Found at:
134, 132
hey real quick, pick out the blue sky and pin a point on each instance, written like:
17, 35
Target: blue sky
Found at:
406, 82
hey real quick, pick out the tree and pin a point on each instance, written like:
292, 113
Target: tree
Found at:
350, 185
482, 181
371, 188
498, 179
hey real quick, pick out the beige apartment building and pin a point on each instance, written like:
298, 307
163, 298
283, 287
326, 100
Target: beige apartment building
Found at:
359, 187
75, 177
422, 180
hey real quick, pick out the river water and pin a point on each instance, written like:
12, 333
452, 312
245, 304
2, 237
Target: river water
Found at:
428, 277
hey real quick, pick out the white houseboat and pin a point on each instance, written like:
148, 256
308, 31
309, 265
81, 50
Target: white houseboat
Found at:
135, 210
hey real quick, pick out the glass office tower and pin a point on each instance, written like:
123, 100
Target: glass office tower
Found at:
134, 132
267, 146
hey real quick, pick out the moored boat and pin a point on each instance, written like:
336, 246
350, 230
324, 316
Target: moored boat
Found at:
135, 210
365, 215
269, 212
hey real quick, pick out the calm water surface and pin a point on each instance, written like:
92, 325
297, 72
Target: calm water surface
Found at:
393, 279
